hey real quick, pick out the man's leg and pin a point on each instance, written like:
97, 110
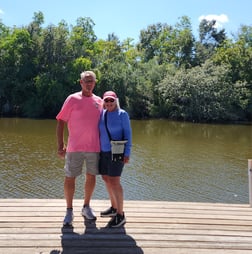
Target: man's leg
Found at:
87, 211
89, 187
69, 189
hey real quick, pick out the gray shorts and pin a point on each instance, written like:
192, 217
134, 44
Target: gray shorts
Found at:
74, 162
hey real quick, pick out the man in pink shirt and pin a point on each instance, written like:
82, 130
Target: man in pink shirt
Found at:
81, 113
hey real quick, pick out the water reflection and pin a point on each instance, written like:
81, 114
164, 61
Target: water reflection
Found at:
170, 161
192, 162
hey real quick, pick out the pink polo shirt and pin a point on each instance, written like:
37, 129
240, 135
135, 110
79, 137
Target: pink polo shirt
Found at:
82, 116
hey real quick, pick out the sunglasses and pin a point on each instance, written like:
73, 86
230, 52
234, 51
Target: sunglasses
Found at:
109, 100
88, 80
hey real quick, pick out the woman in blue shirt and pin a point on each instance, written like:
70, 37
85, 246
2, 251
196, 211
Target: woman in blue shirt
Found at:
118, 128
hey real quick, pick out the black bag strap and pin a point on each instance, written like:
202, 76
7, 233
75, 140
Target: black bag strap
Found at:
105, 120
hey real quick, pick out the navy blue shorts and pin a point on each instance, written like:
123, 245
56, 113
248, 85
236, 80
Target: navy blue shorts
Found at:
109, 167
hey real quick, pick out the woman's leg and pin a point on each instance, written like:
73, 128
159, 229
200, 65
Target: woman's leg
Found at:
109, 190
117, 192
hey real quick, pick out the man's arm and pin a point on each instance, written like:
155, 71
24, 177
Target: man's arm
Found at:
60, 138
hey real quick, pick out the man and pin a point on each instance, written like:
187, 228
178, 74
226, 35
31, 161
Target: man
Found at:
81, 112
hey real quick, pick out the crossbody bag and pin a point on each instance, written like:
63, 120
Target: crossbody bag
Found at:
117, 146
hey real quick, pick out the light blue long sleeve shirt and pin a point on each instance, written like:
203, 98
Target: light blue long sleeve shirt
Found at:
118, 123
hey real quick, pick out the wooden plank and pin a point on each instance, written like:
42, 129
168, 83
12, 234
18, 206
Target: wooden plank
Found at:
133, 203
35, 226
133, 230
123, 251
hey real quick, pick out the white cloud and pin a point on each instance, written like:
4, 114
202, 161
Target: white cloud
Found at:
1, 12
220, 19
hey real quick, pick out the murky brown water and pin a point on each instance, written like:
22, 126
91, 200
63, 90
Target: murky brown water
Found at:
170, 161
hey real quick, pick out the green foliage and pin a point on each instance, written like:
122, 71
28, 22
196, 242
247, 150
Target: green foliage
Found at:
202, 94
167, 74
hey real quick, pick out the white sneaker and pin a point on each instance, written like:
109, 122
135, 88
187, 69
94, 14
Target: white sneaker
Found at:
88, 213
68, 220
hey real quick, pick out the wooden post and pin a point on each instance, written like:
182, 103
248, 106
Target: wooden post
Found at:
250, 181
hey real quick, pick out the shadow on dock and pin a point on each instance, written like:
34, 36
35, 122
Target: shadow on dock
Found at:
97, 241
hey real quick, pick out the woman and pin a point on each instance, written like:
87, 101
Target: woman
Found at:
118, 128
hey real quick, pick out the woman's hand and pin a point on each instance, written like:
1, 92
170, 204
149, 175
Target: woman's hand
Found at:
126, 159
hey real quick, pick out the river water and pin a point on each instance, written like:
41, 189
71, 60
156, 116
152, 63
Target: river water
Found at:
171, 161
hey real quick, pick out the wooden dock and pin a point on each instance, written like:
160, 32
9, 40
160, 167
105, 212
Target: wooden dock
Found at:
34, 226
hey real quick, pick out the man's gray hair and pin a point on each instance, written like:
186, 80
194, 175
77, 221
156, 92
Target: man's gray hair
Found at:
88, 73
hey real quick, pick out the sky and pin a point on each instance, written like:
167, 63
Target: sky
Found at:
127, 18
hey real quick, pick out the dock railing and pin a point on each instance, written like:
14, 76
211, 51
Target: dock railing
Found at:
250, 181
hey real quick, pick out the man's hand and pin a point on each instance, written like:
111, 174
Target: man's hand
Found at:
62, 153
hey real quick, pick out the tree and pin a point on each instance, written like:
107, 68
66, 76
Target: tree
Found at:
82, 37
209, 35
209, 40
173, 45
149, 39
16, 68
198, 95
